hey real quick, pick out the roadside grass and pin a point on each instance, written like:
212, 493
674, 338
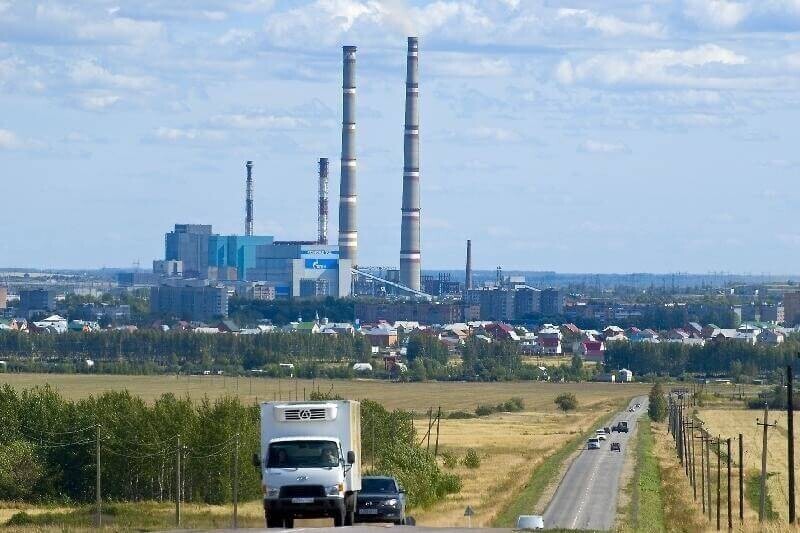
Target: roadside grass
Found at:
752, 493
647, 503
547, 472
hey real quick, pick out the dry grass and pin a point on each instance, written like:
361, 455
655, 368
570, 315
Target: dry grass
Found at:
682, 513
729, 423
538, 396
510, 445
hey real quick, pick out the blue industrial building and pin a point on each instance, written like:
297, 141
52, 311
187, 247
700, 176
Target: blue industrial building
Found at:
237, 252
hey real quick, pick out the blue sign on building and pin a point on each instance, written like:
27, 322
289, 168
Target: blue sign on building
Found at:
321, 264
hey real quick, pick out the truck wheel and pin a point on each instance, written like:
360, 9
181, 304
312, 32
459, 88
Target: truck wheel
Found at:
274, 521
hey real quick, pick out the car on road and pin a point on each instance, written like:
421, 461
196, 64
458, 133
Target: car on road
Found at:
381, 499
601, 436
593, 444
620, 427
616, 447
607, 430
631, 410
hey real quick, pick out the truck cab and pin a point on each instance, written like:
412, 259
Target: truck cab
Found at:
310, 461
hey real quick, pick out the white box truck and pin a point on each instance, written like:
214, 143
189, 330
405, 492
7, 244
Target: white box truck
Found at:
310, 460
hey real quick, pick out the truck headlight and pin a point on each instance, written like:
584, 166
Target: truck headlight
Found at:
391, 503
272, 493
334, 490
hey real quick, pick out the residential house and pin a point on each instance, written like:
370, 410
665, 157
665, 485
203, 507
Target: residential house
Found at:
771, 336
592, 350
548, 340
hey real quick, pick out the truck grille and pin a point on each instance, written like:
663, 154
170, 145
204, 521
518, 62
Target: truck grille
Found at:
302, 491
304, 413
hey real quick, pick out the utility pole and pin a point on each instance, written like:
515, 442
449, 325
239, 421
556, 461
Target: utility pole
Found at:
719, 480
702, 471
236, 484
767, 425
790, 437
178, 484
730, 517
438, 421
97, 480
708, 472
741, 479
692, 470
430, 426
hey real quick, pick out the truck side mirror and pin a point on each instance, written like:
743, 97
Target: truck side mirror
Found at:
351, 457
256, 460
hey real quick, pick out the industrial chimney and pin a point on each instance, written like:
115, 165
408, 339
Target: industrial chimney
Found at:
248, 202
409, 230
322, 219
348, 234
468, 276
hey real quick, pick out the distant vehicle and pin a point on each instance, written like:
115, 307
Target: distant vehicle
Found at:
531, 521
593, 444
310, 461
601, 436
607, 430
630, 410
620, 427
381, 500
615, 447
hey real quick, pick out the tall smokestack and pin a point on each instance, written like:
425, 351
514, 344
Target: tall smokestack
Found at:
409, 230
348, 234
248, 202
468, 277
322, 219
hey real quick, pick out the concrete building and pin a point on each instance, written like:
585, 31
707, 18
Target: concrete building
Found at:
32, 301
422, 312
189, 243
303, 270
440, 285
527, 300
3, 297
791, 308
552, 302
772, 313
495, 303
136, 279
189, 299
169, 269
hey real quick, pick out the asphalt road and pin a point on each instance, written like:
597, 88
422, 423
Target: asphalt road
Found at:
587, 496
371, 529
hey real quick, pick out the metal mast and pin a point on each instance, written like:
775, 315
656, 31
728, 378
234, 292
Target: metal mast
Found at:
248, 202
322, 218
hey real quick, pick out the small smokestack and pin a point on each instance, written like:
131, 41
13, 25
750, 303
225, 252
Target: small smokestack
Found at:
248, 202
322, 219
468, 277
410, 256
348, 234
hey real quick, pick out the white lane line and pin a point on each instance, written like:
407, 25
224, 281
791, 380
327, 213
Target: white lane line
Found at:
586, 493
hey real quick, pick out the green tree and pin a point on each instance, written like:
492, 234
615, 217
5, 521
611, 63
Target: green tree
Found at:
566, 402
657, 408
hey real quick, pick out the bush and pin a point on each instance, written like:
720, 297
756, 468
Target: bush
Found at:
449, 484
471, 459
449, 459
460, 415
566, 402
485, 410
514, 405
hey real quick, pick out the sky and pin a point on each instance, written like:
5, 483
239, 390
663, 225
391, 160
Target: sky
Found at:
575, 136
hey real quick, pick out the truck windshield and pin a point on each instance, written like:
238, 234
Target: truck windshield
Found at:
303, 454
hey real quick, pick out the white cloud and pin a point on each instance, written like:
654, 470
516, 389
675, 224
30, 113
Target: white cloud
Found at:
89, 73
459, 65
187, 135
96, 100
656, 67
494, 134
9, 140
601, 147
610, 25
120, 29
259, 121
716, 14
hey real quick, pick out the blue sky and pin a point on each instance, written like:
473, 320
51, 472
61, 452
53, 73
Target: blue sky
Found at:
612, 136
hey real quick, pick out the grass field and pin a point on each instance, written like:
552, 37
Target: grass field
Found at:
731, 422
511, 445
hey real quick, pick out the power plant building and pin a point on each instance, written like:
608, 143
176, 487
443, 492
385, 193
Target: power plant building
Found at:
237, 252
189, 243
304, 270
190, 299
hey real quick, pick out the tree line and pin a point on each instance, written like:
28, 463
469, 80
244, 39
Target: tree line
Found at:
723, 357
48, 448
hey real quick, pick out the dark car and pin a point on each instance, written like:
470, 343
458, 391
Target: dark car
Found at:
615, 447
381, 499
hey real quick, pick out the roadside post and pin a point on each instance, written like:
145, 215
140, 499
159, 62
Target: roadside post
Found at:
469, 513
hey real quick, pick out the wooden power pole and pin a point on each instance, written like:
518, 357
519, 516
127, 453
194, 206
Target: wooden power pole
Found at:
763, 500
97, 479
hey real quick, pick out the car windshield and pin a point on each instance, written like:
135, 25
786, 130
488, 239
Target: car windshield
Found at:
303, 454
378, 486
